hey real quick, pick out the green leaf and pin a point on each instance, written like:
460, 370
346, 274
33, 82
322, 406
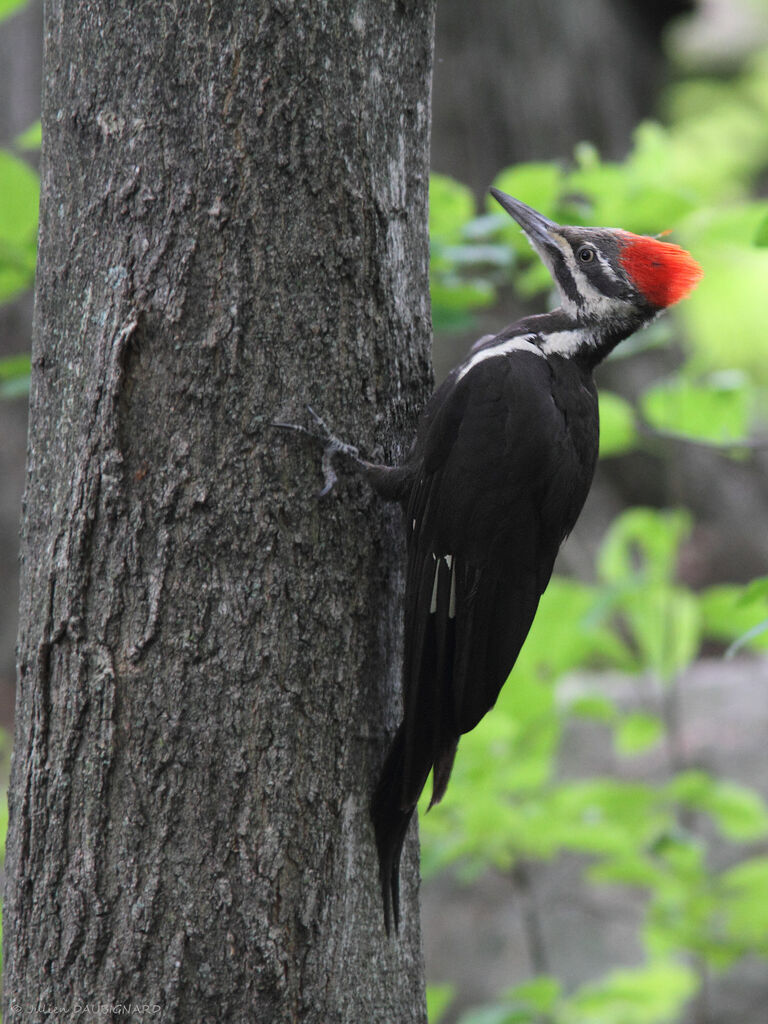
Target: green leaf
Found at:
717, 411
603, 816
540, 994
761, 235
682, 853
454, 294
638, 732
725, 315
665, 623
19, 197
439, 998
655, 994
9, 7
536, 183
14, 376
627, 868
642, 545
730, 225
729, 615
31, 138
617, 425
17, 269
12, 367
567, 632
755, 593
593, 706
751, 874
740, 813
638, 559
641, 195
19, 192
755, 590
755, 633
451, 206
496, 1015
532, 279
743, 905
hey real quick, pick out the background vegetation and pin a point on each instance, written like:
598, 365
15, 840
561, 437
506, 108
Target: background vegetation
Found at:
649, 832
691, 844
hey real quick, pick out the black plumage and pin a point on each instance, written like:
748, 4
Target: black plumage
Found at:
502, 463
493, 484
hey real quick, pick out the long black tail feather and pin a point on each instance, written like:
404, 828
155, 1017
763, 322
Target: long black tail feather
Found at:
394, 801
390, 823
442, 772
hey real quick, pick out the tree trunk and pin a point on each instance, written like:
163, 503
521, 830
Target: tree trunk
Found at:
233, 224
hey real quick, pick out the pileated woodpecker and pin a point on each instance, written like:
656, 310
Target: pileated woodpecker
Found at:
503, 459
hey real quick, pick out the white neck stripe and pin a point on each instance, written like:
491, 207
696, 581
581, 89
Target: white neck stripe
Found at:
567, 343
502, 349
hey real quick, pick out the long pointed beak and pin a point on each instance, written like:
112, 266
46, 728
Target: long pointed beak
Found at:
533, 223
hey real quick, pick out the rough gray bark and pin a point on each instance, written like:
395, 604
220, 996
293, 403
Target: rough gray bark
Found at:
233, 223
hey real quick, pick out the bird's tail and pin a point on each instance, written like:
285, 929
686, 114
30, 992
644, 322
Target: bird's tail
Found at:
394, 801
390, 823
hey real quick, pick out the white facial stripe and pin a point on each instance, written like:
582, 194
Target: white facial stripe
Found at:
502, 349
596, 304
568, 305
604, 263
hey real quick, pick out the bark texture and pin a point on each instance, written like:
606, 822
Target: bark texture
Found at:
233, 224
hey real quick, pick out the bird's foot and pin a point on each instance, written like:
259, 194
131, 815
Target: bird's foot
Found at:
331, 446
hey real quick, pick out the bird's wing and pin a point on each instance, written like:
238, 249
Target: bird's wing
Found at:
495, 484
480, 552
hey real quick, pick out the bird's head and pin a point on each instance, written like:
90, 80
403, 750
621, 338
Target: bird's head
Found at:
606, 275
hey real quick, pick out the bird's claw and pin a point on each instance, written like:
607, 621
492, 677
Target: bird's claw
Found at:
332, 446
329, 473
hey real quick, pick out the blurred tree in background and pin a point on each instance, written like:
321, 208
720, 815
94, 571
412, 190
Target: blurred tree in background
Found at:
648, 595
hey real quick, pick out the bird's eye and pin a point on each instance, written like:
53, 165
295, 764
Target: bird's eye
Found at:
585, 254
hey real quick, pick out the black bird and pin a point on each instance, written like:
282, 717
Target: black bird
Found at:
503, 459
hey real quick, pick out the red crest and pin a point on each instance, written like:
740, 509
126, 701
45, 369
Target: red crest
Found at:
662, 271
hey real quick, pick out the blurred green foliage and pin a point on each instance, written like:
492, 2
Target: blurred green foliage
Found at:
14, 376
19, 189
644, 996
9, 7
19, 200
507, 802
